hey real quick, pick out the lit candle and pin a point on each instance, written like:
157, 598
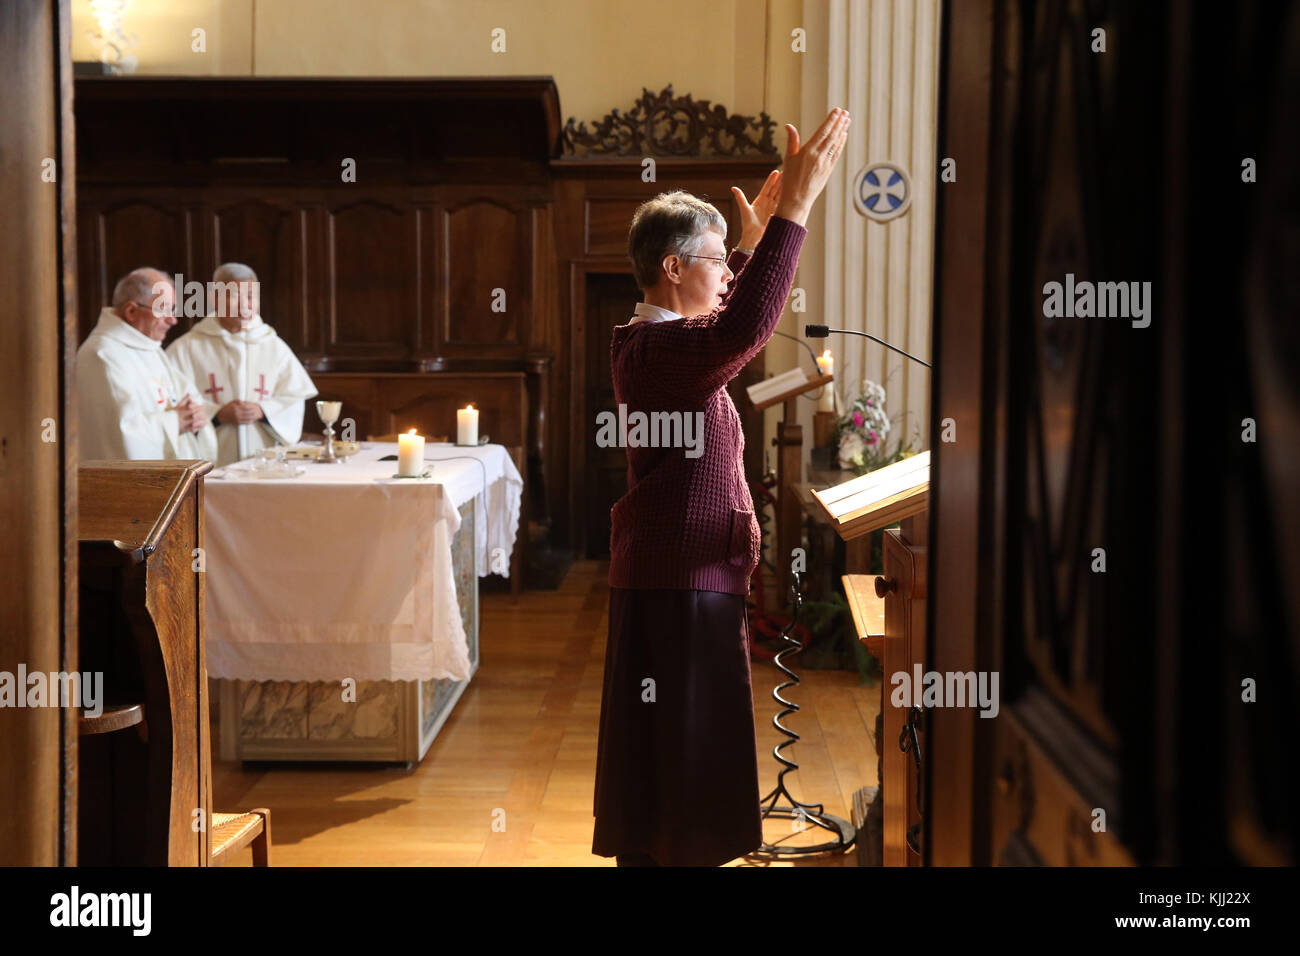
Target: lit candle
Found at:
826, 363
467, 425
410, 454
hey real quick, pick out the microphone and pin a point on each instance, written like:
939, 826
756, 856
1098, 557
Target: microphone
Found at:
821, 331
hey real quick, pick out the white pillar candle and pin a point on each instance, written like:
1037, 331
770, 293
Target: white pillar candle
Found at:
410, 454
467, 425
826, 363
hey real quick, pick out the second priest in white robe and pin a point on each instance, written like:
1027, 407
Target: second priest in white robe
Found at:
252, 364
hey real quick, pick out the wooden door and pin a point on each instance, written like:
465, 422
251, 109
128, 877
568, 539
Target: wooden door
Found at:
1098, 486
611, 297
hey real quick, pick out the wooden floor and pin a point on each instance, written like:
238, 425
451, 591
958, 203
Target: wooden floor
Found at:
520, 749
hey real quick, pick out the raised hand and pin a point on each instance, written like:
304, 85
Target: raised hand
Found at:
753, 218
808, 166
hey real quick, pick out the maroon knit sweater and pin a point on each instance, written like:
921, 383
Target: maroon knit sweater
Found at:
689, 522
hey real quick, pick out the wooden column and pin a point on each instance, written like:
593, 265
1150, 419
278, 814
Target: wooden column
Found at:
37, 438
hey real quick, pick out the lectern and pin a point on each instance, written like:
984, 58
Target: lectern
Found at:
789, 461
896, 493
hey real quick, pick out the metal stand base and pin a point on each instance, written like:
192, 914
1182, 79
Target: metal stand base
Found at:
805, 814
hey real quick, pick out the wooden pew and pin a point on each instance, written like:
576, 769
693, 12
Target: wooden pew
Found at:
145, 762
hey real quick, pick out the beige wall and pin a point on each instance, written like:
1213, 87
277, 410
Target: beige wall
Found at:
601, 52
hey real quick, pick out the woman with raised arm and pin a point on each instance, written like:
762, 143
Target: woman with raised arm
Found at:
676, 764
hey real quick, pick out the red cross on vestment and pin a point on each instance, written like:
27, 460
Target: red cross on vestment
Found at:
213, 390
261, 386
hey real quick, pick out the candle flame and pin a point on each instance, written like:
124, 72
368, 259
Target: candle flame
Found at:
826, 354
411, 432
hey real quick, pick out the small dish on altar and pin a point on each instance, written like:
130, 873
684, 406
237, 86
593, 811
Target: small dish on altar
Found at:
267, 470
426, 474
303, 453
346, 449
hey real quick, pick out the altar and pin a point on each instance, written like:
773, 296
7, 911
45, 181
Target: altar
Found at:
341, 603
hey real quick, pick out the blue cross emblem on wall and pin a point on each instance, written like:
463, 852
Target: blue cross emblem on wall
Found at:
881, 191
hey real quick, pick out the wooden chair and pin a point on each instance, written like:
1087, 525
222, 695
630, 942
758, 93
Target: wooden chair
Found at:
141, 529
231, 832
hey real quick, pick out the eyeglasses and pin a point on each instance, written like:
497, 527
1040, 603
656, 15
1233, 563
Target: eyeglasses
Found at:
158, 313
711, 258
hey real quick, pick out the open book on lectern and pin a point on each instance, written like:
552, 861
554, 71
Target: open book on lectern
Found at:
879, 498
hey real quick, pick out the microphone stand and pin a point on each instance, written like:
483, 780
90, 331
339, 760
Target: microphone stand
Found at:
821, 331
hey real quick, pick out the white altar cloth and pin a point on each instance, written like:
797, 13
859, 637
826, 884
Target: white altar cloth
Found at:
346, 571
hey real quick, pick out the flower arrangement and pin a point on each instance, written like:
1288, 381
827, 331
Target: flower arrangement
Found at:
860, 435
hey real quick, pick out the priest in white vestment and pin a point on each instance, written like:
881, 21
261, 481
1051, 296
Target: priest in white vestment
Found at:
245, 369
132, 403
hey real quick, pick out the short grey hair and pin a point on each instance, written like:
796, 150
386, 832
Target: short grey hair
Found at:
671, 224
137, 286
234, 272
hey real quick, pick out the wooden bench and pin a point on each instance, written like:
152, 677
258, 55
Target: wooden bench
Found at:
141, 592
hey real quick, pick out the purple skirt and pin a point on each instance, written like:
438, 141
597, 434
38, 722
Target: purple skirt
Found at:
677, 759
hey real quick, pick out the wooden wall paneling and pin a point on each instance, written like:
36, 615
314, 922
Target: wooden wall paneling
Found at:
539, 332
607, 219
144, 228
567, 232
90, 284
317, 290
579, 437
488, 251
373, 270
430, 317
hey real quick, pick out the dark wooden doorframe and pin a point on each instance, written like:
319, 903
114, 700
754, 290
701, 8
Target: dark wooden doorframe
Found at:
954, 811
1120, 690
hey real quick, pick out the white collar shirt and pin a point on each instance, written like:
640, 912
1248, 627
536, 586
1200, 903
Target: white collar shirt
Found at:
644, 312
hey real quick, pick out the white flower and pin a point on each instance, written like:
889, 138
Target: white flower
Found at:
851, 447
